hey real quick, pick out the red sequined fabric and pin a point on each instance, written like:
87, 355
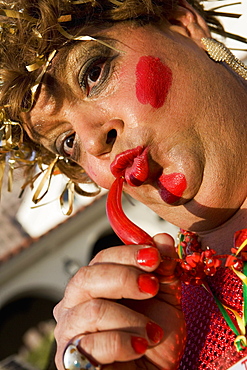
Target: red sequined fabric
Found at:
210, 343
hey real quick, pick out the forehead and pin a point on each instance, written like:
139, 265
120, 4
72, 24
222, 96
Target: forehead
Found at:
120, 36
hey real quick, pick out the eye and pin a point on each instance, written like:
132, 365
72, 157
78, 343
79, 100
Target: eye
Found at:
68, 145
94, 75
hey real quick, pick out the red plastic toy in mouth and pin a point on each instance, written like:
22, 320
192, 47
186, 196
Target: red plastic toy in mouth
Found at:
132, 164
126, 230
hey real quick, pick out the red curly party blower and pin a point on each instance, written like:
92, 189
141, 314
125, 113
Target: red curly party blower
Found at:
130, 166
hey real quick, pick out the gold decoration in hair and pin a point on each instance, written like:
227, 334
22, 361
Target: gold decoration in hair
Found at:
77, 2
84, 38
71, 187
45, 182
220, 53
13, 150
32, 67
15, 14
7, 141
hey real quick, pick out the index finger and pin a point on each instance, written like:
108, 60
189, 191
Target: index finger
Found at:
141, 256
108, 281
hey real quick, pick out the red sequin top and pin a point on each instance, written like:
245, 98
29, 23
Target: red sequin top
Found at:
210, 341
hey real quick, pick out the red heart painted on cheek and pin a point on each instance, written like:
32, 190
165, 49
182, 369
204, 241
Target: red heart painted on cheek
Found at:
153, 81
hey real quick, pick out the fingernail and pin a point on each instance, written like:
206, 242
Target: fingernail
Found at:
148, 284
154, 332
139, 344
148, 256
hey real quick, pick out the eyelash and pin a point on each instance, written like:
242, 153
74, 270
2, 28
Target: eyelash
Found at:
105, 73
72, 148
61, 145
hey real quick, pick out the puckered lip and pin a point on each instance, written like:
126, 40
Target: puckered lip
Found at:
124, 160
133, 165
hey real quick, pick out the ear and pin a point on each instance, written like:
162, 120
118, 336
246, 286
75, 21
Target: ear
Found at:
186, 21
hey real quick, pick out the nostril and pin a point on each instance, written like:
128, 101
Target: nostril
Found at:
111, 136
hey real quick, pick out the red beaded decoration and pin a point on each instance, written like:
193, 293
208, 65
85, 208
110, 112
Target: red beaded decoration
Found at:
195, 263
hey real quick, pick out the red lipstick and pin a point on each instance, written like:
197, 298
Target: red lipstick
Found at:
132, 164
171, 187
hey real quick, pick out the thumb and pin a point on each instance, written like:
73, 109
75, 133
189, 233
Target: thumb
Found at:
166, 246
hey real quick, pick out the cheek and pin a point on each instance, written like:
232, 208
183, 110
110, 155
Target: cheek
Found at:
100, 175
153, 81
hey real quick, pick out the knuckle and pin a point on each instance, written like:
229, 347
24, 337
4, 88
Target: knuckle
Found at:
57, 332
95, 311
124, 276
57, 310
115, 345
81, 318
104, 350
99, 257
78, 280
70, 323
66, 326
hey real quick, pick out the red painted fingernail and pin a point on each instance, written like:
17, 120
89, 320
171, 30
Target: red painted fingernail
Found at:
148, 284
148, 257
139, 344
154, 332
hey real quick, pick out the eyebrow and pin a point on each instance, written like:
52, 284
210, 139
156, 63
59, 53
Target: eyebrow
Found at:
62, 58
40, 134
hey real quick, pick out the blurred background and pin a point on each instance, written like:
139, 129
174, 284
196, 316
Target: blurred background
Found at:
41, 249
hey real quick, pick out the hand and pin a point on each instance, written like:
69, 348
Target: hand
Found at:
118, 305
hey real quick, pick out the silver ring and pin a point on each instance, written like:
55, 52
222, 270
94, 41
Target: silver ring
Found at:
73, 359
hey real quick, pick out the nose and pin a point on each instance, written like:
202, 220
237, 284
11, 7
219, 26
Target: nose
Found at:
99, 139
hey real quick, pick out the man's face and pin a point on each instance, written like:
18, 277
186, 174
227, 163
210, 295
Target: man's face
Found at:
153, 88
